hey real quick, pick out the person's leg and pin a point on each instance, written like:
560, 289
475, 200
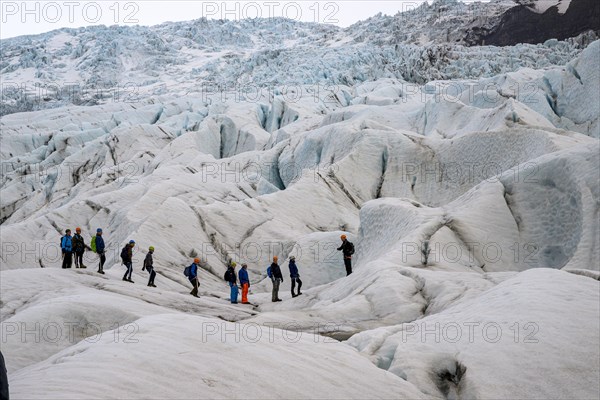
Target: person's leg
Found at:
245, 287
64, 260
274, 292
69, 257
277, 283
149, 276
129, 266
152, 276
195, 283
80, 255
348, 264
76, 260
234, 293
299, 286
101, 265
293, 287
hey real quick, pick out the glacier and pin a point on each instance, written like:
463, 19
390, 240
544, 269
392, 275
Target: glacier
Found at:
468, 178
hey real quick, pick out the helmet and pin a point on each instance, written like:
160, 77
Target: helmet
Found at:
343, 237
151, 248
132, 242
99, 230
275, 258
67, 231
78, 230
233, 264
196, 260
244, 265
292, 258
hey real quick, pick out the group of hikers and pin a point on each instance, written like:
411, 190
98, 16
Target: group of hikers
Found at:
273, 272
75, 245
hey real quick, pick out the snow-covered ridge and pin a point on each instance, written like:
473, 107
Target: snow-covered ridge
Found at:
90, 66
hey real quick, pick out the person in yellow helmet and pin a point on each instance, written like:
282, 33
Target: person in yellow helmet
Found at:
231, 279
347, 249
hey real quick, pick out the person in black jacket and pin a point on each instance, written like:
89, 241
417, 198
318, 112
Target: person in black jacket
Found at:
78, 248
295, 276
149, 266
277, 278
3, 379
232, 280
347, 249
127, 257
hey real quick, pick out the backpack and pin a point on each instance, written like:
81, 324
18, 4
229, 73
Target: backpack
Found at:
351, 247
93, 244
269, 273
188, 271
124, 253
227, 275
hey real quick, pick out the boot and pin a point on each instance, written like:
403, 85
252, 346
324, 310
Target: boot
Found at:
129, 280
294, 295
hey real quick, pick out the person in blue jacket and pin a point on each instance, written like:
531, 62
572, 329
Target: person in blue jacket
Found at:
100, 247
66, 247
245, 282
295, 276
194, 277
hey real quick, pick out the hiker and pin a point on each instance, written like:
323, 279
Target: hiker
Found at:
78, 248
276, 278
148, 265
97, 246
127, 256
3, 379
347, 249
193, 276
66, 247
231, 278
295, 276
245, 282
